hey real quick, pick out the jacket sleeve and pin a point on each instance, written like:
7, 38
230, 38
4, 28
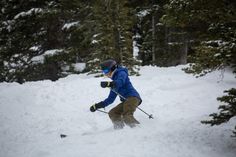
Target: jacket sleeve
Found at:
110, 99
120, 81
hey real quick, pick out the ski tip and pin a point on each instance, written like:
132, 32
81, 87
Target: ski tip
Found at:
63, 135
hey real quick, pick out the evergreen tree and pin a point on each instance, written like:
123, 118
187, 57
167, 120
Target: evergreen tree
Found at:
17, 35
112, 33
39, 39
45, 39
213, 23
159, 43
227, 111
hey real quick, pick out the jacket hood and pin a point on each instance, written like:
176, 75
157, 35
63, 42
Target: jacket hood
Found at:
118, 69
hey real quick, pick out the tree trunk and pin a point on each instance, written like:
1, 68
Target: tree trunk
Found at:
153, 40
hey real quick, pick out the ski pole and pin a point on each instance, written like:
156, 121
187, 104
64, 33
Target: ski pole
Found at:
149, 115
102, 111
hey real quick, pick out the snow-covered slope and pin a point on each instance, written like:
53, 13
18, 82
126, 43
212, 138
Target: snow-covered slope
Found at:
33, 115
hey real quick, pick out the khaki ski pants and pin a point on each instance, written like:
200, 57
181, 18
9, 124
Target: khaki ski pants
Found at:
124, 113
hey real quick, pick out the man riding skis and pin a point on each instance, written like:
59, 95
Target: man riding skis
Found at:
130, 98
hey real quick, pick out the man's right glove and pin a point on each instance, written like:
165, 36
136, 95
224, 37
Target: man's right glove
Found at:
94, 107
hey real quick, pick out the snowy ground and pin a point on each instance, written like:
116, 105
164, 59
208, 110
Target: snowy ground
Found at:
33, 115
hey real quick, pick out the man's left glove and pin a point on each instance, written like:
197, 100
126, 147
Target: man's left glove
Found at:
105, 84
94, 107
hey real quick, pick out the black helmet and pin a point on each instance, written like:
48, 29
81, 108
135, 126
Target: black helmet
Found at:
108, 65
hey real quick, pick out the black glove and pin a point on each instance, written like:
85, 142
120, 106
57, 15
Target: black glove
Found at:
105, 84
94, 107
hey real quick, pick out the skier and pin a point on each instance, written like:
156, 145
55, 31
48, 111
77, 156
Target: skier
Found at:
130, 98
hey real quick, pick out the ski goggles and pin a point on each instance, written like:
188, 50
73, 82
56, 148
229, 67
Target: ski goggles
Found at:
106, 71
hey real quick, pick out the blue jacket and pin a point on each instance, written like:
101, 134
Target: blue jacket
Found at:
122, 85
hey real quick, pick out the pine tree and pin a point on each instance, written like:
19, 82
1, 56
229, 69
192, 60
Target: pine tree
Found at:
160, 44
112, 33
213, 23
44, 39
32, 30
227, 111
17, 35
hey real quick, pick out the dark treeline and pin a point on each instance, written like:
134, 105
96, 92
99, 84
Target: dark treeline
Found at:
49, 39
45, 39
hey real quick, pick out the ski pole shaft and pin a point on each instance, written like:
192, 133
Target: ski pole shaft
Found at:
102, 111
149, 115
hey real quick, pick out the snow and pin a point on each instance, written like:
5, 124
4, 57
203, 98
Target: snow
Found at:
69, 25
3, 10
174, 43
217, 55
34, 48
29, 12
94, 41
40, 58
52, 52
8, 24
79, 66
94, 60
159, 24
215, 41
143, 13
33, 115
95, 35
135, 49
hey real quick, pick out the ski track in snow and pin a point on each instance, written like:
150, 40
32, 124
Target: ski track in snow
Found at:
33, 115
